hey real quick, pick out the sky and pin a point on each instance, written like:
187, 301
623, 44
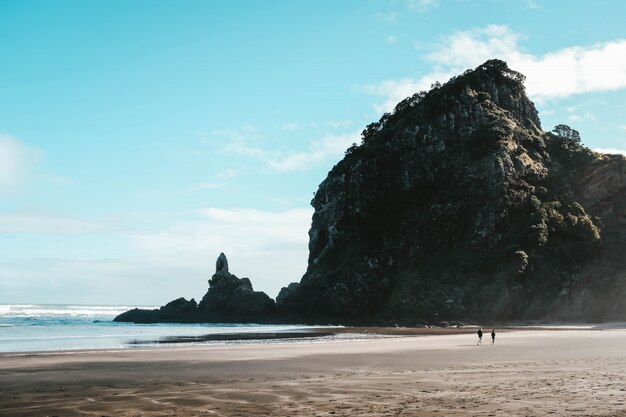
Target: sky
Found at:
139, 139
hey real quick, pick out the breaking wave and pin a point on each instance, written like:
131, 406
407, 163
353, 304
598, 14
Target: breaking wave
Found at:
59, 310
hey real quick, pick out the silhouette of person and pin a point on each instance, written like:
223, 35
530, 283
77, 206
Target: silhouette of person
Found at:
493, 336
480, 337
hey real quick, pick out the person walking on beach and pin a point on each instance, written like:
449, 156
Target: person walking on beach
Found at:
480, 337
493, 336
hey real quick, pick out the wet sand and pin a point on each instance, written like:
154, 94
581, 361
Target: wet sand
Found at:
526, 373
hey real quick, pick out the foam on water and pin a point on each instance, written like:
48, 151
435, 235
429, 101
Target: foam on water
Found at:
41, 327
60, 310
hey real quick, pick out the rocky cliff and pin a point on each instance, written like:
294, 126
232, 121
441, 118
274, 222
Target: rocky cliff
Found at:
455, 206
458, 205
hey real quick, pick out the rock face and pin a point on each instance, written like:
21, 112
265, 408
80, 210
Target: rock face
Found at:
177, 311
228, 300
232, 299
458, 205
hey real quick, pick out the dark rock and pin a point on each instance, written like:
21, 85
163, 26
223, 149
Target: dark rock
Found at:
179, 310
457, 205
229, 299
287, 298
232, 299
221, 265
179, 307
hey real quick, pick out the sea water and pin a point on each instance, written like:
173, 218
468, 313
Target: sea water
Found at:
51, 327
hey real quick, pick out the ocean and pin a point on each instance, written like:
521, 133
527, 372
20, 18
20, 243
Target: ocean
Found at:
54, 327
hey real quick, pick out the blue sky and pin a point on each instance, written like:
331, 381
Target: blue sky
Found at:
139, 139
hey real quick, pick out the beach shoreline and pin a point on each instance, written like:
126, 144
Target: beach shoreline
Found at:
320, 334
526, 372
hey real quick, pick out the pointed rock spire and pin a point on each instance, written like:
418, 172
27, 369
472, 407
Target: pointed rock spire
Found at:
221, 265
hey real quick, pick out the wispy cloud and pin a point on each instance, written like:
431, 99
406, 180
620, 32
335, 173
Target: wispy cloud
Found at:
16, 161
174, 260
578, 106
394, 91
475, 46
98, 281
587, 117
328, 147
264, 245
558, 74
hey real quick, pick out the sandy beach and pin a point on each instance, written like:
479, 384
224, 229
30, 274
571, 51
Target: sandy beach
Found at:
526, 373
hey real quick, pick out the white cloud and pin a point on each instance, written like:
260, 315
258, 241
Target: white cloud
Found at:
269, 247
475, 46
613, 151
172, 261
587, 117
395, 91
623, 127
329, 147
391, 39
102, 281
214, 230
562, 73
16, 161
587, 103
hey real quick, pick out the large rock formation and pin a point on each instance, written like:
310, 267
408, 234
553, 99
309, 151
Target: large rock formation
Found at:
455, 206
228, 300
458, 205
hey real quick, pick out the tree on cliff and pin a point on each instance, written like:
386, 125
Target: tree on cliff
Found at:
567, 133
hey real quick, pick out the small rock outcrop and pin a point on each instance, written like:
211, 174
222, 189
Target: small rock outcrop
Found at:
177, 311
228, 300
232, 299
